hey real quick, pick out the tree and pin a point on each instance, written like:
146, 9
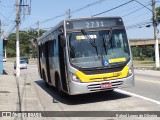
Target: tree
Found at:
27, 40
158, 11
34, 35
11, 46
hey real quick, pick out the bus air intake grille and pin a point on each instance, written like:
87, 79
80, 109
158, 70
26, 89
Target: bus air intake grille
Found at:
101, 71
97, 87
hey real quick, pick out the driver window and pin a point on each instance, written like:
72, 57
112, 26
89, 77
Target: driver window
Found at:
118, 40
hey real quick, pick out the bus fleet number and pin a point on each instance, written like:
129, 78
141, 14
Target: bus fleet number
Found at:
94, 24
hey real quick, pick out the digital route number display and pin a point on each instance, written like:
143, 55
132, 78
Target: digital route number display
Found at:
93, 23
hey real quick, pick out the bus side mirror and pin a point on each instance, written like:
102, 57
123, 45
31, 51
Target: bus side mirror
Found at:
62, 41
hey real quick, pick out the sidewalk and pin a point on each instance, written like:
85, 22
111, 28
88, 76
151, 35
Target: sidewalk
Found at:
8, 93
17, 95
146, 72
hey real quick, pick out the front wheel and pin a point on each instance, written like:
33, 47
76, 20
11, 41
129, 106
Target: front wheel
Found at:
59, 88
44, 78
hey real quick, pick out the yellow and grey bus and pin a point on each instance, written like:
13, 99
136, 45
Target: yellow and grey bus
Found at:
86, 55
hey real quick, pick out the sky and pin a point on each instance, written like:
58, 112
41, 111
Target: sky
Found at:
134, 15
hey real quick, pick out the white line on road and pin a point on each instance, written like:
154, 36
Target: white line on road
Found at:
138, 96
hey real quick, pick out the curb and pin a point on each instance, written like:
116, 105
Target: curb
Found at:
146, 68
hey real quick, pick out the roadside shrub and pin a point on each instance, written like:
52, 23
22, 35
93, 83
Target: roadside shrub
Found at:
141, 56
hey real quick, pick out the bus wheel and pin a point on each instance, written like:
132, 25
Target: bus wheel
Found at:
59, 88
44, 78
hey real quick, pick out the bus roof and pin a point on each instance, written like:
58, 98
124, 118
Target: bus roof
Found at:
84, 18
70, 20
51, 30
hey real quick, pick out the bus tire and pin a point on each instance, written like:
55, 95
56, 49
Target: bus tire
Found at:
44, 78
58, 86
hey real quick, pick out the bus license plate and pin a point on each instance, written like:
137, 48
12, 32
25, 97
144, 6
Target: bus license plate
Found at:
106, 85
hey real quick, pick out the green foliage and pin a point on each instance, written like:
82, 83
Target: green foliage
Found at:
27, 41
140, 53
141, 56
134, 51
10, 47
158, 11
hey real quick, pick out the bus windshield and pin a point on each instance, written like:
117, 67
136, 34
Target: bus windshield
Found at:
88, 49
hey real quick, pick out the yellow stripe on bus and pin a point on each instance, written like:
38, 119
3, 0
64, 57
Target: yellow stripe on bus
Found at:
117, 60
101, 77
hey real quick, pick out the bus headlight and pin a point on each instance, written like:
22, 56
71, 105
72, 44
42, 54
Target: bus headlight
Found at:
74, 77
130, 71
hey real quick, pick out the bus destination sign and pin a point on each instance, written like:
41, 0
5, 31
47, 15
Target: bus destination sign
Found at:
93, 23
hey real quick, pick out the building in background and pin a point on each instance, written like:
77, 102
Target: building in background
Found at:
3, 42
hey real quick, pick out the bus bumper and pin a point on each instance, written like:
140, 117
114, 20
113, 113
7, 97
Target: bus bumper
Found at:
90, 87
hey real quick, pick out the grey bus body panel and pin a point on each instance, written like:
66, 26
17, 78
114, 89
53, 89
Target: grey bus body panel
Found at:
81, 88
75, 87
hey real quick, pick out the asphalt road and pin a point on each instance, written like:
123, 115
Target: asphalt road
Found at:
147, 84
145, 96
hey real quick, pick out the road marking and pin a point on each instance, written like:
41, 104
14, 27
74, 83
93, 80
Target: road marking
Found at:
151, 81
138, 96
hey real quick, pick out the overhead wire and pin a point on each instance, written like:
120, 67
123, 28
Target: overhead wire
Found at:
138, 16
11, 30
5, 6
14, 25
113, 8
11, 14
89, 5
62, 15
135, 10
7, 20
142, 5
21, 4
4, 17
74, 11
132, 26
28, 34
139, 24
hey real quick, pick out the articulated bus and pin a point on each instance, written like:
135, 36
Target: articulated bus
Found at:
85, 55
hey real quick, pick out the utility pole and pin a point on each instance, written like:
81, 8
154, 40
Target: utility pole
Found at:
1, 37
0, 29
1, 51
69, 13
17, 41
38, 28
155, 23
5, 52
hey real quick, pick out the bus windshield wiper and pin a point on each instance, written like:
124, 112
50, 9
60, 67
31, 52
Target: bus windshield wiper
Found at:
91, 41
